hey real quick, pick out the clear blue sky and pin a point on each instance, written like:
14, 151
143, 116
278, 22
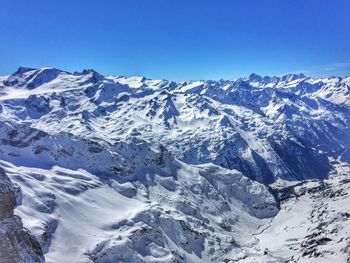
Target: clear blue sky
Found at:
177, 39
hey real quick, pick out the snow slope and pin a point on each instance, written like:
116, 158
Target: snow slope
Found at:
313, 224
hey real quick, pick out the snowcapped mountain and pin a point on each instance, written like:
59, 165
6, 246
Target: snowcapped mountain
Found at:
129, 169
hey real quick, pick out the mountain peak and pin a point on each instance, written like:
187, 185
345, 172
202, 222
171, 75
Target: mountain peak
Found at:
95, 76
22, 70
293, 76
254, 77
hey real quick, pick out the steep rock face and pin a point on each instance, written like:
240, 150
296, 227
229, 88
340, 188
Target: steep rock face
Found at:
16, 242
9, 194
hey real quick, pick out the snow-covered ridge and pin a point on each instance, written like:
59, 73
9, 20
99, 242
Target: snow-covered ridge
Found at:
141, 170
265, 127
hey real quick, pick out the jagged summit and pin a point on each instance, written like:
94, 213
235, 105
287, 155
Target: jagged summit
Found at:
294, 76
22, 70
254, 77
265, 79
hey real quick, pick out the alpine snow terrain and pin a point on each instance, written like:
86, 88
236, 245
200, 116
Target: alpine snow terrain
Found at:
129, 169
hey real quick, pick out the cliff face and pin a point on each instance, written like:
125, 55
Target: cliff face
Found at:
16, 242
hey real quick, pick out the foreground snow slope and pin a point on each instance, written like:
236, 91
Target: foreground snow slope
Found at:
117, 169
312, 224
175, 212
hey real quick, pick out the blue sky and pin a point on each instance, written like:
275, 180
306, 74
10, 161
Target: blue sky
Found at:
177, 39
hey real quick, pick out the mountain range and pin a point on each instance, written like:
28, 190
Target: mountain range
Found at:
129, 169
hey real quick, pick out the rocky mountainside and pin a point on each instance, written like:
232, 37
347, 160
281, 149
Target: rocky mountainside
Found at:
16, 243
129, 169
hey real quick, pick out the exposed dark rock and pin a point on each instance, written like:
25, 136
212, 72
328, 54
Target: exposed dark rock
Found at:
16, 242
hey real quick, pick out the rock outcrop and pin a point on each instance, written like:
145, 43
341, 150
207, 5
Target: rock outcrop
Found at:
16, 242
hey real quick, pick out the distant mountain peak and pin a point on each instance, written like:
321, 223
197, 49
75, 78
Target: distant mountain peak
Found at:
253, 77
22, 70
293, 76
